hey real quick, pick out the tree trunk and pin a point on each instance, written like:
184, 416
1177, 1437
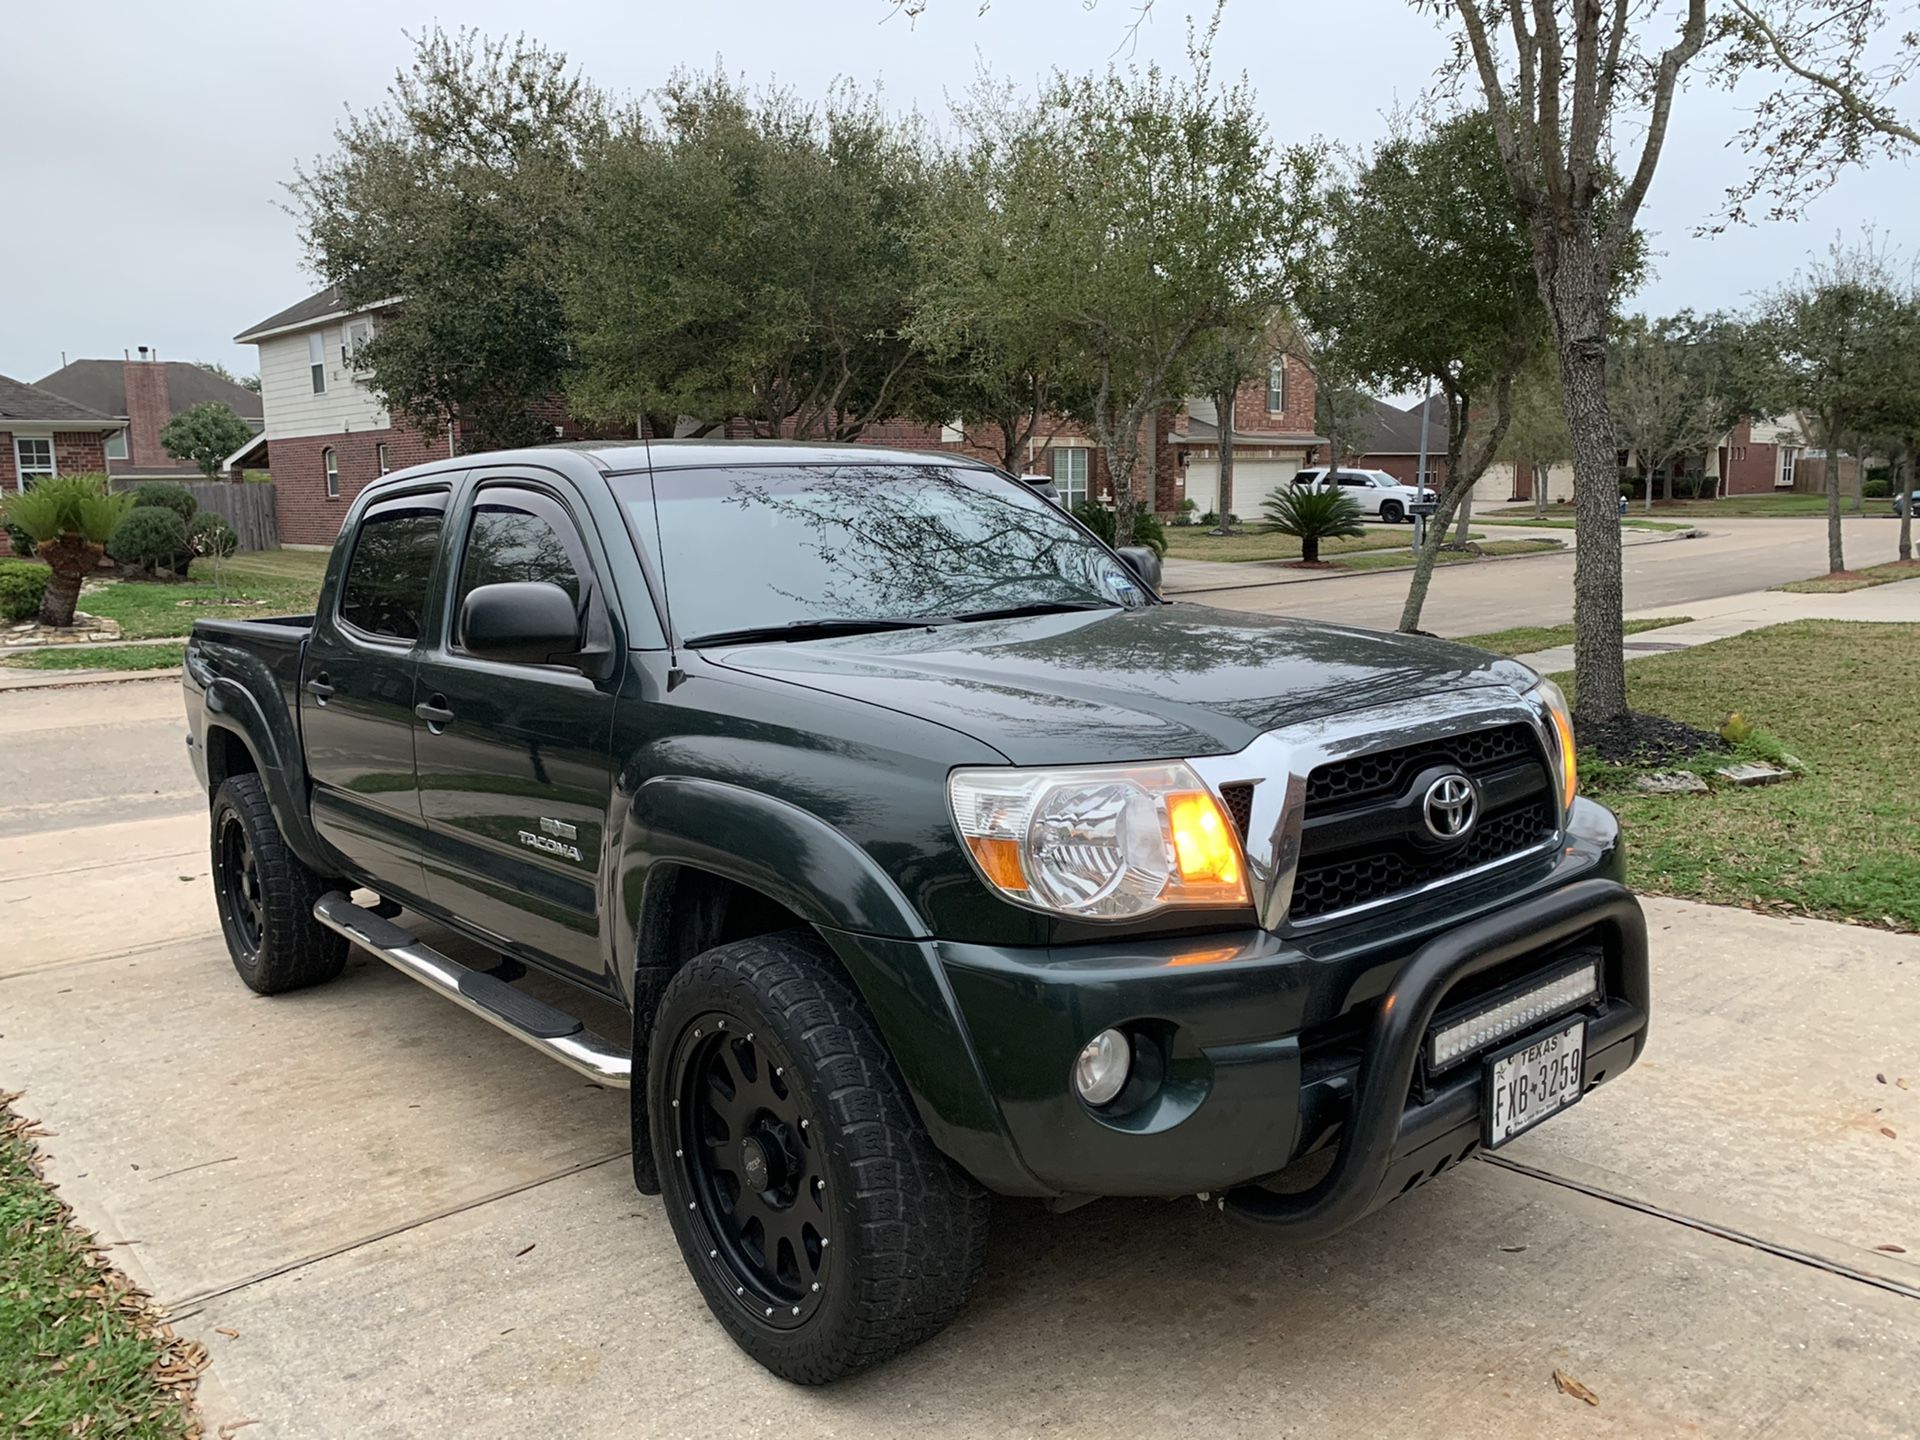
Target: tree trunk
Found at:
1904, 489
1598, 634
1424, 560
1461, 530
1223, 502
1836, 557
1859, 480
1539, 490
71, 560
1310, 549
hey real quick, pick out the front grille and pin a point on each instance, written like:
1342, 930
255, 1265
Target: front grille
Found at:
1374, 795
1237, 796
1382, 773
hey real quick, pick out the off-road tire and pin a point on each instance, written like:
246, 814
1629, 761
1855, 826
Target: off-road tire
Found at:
1391, 512
274, 941
904, 1229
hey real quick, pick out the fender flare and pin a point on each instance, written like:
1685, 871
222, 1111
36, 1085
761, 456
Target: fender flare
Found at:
232, 708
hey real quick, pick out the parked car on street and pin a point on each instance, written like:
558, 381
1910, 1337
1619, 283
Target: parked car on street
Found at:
927, 852
1901, 502
1375, 491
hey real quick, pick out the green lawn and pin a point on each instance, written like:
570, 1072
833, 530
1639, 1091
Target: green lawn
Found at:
1842, 840
1747, 506
1525, 639
266, 582
1258, 542
160, 656
1855, 579
78, 1350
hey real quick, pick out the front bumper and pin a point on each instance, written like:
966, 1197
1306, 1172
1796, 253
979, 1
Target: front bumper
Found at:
1274, 1048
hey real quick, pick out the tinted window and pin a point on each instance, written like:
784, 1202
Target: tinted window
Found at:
385, 590
748, 548
518, 535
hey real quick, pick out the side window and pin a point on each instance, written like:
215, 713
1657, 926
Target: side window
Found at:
1355, 482
384, 591
521, 535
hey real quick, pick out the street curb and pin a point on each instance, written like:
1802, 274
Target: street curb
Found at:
57, 681
1398, 569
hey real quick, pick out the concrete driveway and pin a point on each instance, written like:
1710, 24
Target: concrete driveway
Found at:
385, 1218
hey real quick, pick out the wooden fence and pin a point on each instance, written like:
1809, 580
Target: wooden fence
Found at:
248, 508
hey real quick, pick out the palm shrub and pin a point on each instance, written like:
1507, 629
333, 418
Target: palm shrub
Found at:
1312, 516
150, 535
22, 587
69, 519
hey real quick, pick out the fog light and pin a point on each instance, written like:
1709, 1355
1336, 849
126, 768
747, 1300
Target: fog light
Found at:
1100, 1072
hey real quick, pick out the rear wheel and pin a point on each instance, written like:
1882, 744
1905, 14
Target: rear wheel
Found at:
266, 896
824, 1229
1392, 512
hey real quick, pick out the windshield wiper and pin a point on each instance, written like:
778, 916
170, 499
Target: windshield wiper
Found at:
803, 630
1034, 607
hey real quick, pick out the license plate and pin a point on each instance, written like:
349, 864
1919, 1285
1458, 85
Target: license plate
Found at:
1534, 1080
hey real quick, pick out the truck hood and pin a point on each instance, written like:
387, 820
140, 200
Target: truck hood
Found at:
1120, 685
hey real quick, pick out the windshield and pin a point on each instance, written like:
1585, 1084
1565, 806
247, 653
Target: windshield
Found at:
785, 546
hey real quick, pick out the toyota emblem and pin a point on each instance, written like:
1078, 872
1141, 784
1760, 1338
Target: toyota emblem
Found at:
1451, 806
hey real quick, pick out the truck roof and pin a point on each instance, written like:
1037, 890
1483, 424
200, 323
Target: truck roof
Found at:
678, 454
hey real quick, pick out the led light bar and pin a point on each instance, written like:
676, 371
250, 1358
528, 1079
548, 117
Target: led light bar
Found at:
1460, 1038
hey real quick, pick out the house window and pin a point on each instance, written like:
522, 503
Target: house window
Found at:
117, 445
1070, 475
1788, 457
1276, 387
332, 463
317, 361
380, 454
32, 459
359, 332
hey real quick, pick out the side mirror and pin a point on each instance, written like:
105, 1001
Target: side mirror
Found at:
1144, 563
525, 622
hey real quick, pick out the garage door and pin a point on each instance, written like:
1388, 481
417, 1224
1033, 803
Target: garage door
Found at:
1252, 481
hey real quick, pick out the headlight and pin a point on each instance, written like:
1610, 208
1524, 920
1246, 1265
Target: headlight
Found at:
1103, 842
1566, 768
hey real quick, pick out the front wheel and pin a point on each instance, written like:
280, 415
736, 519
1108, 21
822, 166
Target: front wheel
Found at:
824, 1229
1392, 512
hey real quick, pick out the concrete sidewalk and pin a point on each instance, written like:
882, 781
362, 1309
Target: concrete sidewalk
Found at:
1737, 614
385, 1218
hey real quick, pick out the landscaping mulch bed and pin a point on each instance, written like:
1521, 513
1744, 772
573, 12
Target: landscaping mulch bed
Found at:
1639, 739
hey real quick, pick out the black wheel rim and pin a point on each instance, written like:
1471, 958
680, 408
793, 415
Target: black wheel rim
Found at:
240, 886
755, 1173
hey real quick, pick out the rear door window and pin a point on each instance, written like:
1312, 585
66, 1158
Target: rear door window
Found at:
384, 591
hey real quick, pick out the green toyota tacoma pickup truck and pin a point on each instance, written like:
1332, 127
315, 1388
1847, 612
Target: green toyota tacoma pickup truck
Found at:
931, 853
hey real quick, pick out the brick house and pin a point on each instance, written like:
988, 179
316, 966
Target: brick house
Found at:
149, 392
43, 435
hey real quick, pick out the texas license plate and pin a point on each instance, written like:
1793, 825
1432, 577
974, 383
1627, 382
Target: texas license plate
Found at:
1536, 1079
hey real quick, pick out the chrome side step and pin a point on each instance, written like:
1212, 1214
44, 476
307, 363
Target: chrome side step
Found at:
551, 1031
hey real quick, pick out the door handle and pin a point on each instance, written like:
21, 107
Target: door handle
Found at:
319, 688
434, 711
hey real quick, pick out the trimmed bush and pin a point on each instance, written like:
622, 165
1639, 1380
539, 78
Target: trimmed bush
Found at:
1103, 522
150, 535
20, 542
209, 534
21, 588
166, 495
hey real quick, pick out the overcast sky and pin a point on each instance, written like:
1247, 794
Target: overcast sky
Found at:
146, 144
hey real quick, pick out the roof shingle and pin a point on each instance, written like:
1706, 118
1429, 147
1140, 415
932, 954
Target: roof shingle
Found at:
24, 402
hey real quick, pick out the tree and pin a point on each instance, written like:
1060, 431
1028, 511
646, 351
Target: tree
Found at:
1836, 330
206, 435
1731, 359
1663, 410
750, 255
456, 197
69, 518
1426, 275
1892, 407
1006, 369
1224, 360
1537, 433
1312, 516
245, 382
1155, 199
